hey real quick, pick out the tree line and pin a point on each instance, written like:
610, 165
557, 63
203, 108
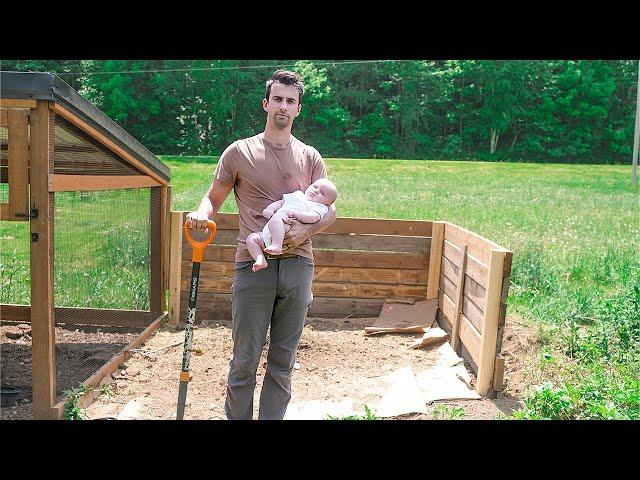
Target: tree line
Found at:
575, 111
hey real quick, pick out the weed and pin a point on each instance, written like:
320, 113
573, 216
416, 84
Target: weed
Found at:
106, 390
445, 412
368, 415
73, 411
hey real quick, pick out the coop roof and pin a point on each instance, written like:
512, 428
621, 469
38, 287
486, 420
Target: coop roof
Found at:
46, 86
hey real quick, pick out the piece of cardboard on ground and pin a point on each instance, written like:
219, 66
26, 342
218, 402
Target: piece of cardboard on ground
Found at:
404, 316
402, 395
448, 379
133, 410
433, 336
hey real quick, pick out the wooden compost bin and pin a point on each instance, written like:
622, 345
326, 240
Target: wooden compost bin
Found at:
35, 108
359, 263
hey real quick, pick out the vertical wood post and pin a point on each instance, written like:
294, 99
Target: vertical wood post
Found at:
455, 328
491, 320
435, 259
18, 162
42, 302
175, 260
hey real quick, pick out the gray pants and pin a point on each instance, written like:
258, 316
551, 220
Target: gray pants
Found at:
278, 296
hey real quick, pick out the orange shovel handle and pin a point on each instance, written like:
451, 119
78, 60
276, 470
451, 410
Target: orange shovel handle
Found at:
198, 247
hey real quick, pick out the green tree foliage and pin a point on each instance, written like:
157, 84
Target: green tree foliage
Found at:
532, 110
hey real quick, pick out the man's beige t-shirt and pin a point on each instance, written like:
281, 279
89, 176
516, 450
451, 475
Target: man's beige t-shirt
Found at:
260, 174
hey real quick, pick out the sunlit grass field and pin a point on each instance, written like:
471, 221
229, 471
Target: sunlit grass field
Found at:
575, 227
574, 231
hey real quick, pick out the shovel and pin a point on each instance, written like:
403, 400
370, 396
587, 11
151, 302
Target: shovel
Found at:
198, 253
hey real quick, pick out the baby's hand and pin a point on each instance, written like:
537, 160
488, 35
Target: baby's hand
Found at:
291, 214
267, 213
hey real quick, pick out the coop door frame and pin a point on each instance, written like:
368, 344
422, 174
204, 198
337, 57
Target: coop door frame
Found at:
14, 115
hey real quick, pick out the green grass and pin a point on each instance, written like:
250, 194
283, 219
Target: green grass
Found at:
101, 252
574, 231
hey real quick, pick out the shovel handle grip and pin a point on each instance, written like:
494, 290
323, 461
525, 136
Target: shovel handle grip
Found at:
198, 247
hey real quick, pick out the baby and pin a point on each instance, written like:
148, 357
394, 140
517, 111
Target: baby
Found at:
307, 207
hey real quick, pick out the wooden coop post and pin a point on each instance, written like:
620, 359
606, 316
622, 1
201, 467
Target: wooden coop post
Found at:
175, 259
491, 320
18, 123
42, 302
435, 259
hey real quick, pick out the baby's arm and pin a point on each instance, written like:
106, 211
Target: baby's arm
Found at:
271, 208
308, 216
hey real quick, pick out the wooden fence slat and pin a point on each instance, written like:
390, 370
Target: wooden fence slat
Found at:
475, 269
224, 270
435, 259
458, 306
328, 289
373, 243
469, 308
17, 103
348, 225
471, 339
477, 245
175, 262
217, 306
490, 323
400, 260
74, 183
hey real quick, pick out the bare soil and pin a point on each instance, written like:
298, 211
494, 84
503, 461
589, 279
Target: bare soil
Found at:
334, 360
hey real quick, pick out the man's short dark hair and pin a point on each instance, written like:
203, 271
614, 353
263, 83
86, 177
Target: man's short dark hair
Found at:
287, 78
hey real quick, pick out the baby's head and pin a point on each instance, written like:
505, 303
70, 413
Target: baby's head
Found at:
322, 191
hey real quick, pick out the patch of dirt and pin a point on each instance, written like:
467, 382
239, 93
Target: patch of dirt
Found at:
79, 352
335, 360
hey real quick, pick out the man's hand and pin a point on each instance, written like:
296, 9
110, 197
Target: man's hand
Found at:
298, 234
198, 220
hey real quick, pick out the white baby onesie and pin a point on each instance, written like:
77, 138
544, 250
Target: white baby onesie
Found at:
294, 202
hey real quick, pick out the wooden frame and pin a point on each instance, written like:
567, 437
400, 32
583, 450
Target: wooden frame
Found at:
77, 183
88, 129
33, 184
468, 274
17, 122
95, 380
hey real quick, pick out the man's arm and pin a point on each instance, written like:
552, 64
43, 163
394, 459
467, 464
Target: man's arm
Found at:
209, 205
301, 231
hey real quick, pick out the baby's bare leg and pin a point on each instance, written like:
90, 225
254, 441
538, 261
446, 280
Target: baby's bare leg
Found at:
255, 246
277, 228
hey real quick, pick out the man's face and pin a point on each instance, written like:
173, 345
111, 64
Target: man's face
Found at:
283, 105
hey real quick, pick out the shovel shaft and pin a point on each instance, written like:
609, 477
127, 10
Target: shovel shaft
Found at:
182, 399
198, 252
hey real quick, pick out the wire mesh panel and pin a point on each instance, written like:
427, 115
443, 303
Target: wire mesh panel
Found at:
101, 273
78, 154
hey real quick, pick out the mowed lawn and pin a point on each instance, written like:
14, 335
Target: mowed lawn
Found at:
574, 228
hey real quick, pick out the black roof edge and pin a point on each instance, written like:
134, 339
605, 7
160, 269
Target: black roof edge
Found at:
47, 86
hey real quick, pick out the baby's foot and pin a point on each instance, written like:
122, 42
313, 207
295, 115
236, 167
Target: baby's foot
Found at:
274, 249
259, 264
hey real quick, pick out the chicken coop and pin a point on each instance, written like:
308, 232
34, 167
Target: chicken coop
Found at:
84, 209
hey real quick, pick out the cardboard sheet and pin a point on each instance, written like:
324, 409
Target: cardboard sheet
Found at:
402, 316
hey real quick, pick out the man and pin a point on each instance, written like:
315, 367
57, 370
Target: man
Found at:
260, 169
